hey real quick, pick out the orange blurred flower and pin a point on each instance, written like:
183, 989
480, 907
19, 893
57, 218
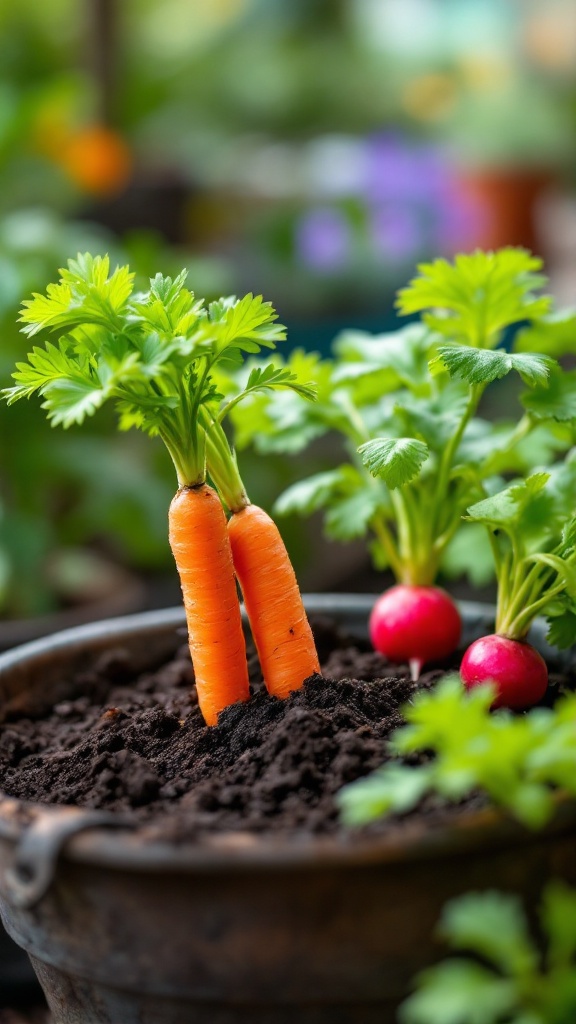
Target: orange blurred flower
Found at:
97, 159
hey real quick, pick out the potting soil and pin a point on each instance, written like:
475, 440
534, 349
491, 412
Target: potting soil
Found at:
140, 745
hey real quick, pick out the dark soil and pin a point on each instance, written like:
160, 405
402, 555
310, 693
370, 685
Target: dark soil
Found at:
139, 745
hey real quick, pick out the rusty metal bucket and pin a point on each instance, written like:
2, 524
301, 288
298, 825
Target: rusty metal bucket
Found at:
125, 930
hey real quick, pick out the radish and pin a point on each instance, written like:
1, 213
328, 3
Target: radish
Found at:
532, 530
415, 624
517, 670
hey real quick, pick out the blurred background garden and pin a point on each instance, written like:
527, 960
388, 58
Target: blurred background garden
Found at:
312, 150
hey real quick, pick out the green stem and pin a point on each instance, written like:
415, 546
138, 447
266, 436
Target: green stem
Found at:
386, 538
359, 432
526, 585
519, 627
449, 454
418, 563
503, 568
222, 464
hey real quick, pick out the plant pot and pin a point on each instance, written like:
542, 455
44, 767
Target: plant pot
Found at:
239, 927
505, 200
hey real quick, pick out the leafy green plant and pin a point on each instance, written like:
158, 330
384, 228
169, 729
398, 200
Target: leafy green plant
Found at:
518, 762
532, 530
407, 406
501, 973
96, 492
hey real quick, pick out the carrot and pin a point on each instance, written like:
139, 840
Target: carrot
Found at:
154, 354
279, 625
199, 543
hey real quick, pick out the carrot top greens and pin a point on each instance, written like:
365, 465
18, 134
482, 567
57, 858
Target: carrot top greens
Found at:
407, 406
152, 352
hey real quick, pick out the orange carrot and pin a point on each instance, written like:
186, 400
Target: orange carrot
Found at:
200, 545
273, 602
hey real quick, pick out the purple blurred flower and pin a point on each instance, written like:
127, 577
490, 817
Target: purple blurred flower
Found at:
398, 168
397, 233
323, 239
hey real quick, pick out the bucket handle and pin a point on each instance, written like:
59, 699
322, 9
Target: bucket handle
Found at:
33, 867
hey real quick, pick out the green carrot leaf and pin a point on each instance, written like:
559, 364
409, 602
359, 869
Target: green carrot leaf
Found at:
395, 460
263, 378
85, 294
248, 324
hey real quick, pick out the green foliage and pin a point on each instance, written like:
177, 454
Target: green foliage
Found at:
152, 353
415, 452
395, 460
478, 295
532, 528
517, 761
480, 366
514, 981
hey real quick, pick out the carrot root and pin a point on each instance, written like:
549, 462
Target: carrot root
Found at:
201, 549
273, 602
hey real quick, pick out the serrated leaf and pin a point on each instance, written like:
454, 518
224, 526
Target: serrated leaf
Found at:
71, 401
396, 461
86, 293
477, 295
507, 506
248, 323
482, 366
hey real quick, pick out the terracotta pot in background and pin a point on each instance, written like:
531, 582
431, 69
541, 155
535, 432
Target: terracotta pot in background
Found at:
238, 927
503, 202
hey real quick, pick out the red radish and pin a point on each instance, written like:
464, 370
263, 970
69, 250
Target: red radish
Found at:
517, 670
415, 624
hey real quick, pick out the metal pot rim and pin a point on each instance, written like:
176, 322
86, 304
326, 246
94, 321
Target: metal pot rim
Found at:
132, 848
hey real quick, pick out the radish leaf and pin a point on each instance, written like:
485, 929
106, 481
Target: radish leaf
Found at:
395, 460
